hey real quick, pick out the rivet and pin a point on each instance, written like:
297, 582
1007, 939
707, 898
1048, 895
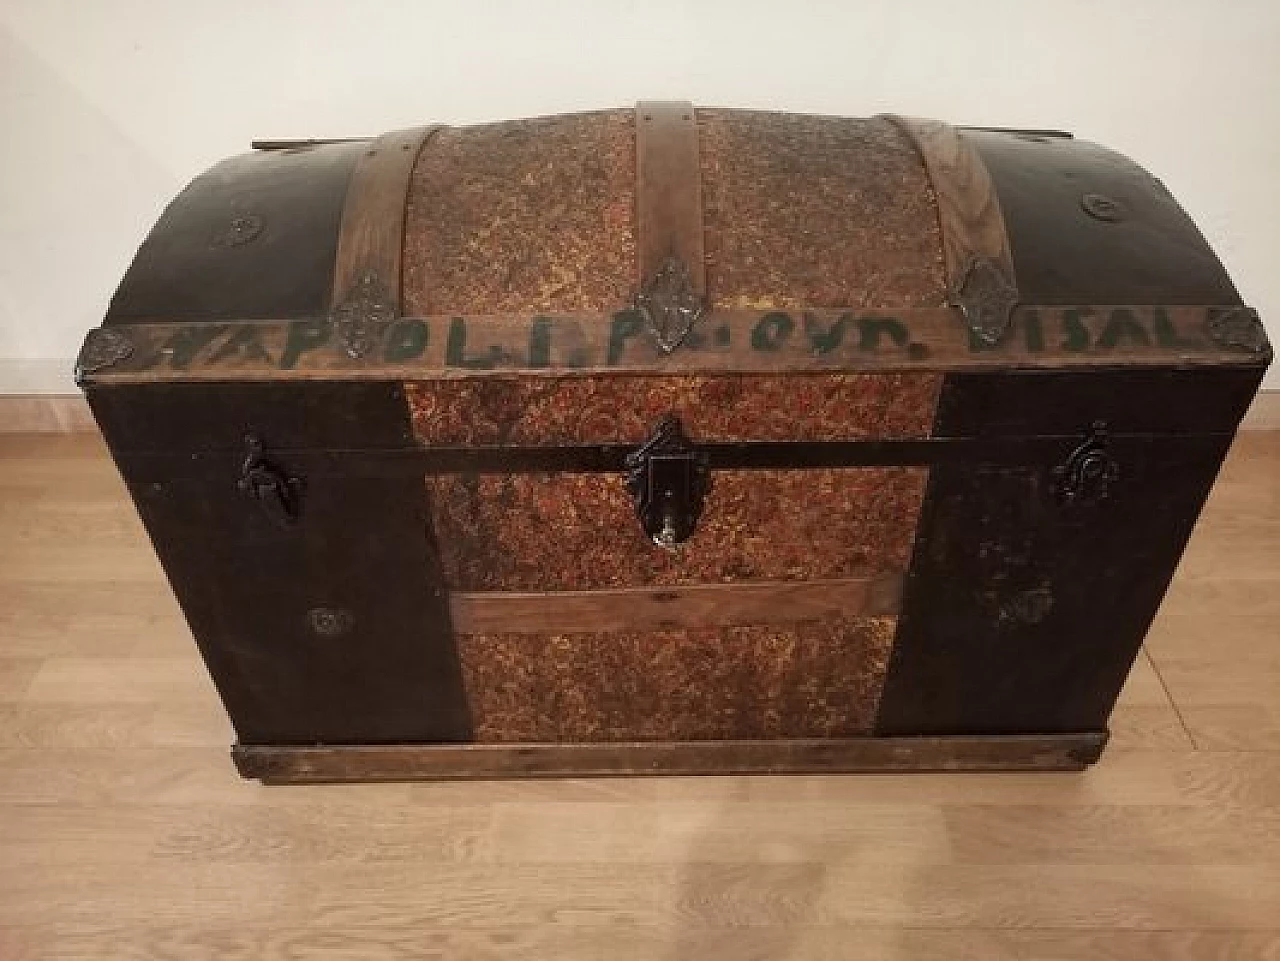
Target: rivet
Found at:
330, 621
1102, 207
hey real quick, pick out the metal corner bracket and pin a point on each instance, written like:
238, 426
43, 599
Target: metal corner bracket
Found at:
986, 298
669, 304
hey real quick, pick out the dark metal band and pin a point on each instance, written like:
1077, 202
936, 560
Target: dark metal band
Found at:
607, 458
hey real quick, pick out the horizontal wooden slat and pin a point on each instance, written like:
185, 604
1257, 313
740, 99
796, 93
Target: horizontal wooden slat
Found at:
395, 762
662, 608
583, 344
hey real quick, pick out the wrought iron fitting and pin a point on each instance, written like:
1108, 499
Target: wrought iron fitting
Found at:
361, 319
103, 347
1103, 208
668, 479
238, 231
1085, 477
278, 493
986, 298
1238, 327
669, 304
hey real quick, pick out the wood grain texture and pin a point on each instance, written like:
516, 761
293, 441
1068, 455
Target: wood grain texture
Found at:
668, 191
59, 413
696, 605
968, 207
397, 762
558, 345
124, 832
371, 237
44, 413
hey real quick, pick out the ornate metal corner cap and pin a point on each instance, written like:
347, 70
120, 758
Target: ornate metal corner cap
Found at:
1238, 327
986, 298
360, 320
669, 304
103, 348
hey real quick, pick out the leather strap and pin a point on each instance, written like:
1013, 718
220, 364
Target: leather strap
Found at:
672, 277
366, 274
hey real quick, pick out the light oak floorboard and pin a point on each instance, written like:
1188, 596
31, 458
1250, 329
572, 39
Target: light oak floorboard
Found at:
125, 833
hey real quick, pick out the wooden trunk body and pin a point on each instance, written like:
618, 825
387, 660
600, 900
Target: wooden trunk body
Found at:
959, 396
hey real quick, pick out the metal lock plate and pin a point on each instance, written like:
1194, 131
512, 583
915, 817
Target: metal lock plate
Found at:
668, 480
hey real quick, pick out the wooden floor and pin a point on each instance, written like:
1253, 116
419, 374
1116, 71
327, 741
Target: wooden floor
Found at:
125, 834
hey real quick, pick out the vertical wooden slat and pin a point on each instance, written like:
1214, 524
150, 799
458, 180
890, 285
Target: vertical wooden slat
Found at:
371, 239
669, 191
968, 209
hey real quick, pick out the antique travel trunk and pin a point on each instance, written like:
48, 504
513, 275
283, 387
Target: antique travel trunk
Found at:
671, 440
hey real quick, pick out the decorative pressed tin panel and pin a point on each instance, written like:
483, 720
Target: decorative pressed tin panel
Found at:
813, 679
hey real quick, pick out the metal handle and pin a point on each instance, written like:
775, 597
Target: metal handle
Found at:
1085, 477
277, 493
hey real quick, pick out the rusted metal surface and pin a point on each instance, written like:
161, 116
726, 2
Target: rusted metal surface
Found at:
580, 410
564, 532
816, 211
816, 679
526, 215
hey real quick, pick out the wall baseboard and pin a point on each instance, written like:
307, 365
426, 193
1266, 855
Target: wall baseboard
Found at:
1264, 412
68, 413
45, 414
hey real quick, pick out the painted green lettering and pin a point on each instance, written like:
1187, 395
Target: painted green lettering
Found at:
1167, 334
1123, 326
406, 340
302, 336
245, 342
540, 342
625, 325
870, 329
771, 331
824, 340
1077, 332
187, 341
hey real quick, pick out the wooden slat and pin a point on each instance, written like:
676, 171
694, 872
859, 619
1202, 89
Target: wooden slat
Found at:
668, 190
371, 239
382, 762
739, 341
968, 208
664, 608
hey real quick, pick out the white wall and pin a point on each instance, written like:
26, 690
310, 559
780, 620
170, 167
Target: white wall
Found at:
108, 108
